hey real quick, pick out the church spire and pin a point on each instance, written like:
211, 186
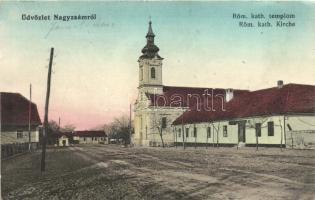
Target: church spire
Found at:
150, 31
150, 50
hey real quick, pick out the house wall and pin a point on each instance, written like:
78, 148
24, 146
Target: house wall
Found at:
63, 139
277, 138
216, 135
92, 140
9, 137
303, 131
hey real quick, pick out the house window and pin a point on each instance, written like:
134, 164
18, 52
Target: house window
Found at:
179, 132
152, 72
164, 122
225, 134
187, 132
258, 129
270, 129
19, 134
209, 132
195, 131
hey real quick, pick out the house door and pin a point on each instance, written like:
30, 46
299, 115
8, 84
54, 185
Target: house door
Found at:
241, 131
64, 143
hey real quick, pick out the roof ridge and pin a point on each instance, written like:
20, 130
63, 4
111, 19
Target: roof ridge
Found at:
203, 88
284, 86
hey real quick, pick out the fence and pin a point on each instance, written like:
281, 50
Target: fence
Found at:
8, 150
301, 139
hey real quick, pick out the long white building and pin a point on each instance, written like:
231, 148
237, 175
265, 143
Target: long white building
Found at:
278, 116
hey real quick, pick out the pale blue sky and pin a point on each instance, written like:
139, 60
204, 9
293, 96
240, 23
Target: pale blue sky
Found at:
96, 70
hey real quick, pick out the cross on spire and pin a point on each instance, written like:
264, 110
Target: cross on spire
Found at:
150, 31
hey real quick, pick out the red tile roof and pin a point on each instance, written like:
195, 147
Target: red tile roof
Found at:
290, 99
15, 108
89, 133
184, 96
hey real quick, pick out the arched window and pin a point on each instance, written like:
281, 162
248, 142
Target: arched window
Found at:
152, 72
141, 74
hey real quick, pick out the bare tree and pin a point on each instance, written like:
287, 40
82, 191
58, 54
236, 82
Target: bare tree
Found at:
119, 129
216, 129
161, 123
252, 124
52, 133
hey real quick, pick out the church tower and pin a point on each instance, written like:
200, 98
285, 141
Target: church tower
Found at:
150, 66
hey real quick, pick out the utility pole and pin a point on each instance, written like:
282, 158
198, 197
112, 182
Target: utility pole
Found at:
183, 130
29, 119
46, 112
130, 124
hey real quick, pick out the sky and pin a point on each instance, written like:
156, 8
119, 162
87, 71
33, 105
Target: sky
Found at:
95, 70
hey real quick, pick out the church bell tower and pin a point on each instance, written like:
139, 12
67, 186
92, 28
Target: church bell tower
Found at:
150, 66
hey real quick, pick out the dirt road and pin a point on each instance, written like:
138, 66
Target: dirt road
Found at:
111, 172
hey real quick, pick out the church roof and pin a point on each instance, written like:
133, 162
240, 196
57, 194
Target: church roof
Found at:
290, 99
173, 96
86, 133
14, 110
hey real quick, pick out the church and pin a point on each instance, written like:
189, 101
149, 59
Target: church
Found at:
157, 105
169, 115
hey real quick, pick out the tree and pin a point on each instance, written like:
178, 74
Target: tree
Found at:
257, 124
160, 123
217, 130
119, 129
53, 130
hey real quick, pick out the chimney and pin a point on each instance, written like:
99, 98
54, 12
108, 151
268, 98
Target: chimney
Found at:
229, 94
280, 84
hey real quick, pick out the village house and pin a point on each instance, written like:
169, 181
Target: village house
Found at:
81, 137
175, 115
64, 139
15, 119
280, 116
90, 137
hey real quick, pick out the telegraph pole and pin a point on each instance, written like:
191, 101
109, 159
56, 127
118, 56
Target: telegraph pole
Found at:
29, 119
130, 124
46, 112
183, 130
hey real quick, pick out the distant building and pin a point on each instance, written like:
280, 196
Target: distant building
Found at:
64, 138
90, 137
81, 137
14, 117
